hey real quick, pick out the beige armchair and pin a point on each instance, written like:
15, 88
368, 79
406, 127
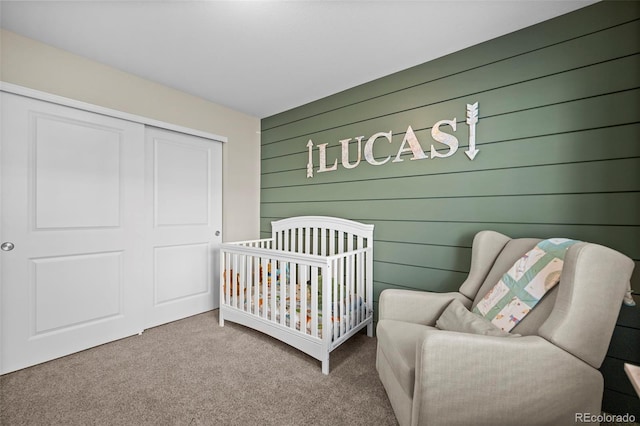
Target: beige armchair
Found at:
548, 376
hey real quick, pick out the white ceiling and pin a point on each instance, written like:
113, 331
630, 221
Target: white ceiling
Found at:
264, 57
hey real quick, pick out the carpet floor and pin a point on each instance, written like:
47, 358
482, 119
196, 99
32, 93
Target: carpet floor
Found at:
193, 372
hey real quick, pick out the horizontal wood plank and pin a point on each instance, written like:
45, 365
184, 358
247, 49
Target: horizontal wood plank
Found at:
576, 25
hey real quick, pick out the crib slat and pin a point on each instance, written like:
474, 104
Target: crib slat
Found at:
265, 288
300, 239
232, 286
342, 296
332, 242
307, 240
304, 277
314, 301
241, 281
235, 279
230, 273
248, 273
292, 238
273, 288
349, 300
282, 282
256, 286
227, 285
323, 241
350, 271
284, 243
342, 287
292, 294
369, 283
356, 292
360, 278
335, 316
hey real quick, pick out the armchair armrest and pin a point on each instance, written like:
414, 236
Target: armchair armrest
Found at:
469, 379
418, 307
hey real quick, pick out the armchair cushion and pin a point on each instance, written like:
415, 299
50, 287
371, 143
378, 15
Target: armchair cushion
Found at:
458, 318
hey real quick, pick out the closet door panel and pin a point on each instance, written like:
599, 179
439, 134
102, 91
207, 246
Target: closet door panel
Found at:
184, 200
182, 184
72, 193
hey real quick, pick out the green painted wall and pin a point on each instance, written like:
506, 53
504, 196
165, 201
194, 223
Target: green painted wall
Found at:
559, 140
558, 134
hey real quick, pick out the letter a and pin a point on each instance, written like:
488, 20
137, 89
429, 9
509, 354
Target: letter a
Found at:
414, 147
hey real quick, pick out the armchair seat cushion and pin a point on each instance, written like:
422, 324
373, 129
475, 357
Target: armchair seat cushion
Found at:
397, 341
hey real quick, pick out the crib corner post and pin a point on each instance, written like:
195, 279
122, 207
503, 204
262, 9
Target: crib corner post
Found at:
220, 318
370, 329
325, 366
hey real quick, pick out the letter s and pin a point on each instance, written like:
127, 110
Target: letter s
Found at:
445, 138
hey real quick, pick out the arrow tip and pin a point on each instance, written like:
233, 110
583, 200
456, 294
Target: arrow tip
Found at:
472, 153
310, 143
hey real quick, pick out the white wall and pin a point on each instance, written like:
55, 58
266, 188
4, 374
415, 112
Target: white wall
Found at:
32, 64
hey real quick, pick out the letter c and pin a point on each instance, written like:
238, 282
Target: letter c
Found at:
368, 148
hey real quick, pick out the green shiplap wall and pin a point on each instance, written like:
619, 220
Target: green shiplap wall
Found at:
558, 134
559, 141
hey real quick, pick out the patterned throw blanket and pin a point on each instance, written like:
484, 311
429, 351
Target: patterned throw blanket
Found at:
524, 285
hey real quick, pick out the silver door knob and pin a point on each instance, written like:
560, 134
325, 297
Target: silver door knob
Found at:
8, 246
217, 233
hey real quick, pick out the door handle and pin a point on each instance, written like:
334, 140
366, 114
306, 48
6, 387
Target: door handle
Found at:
7, 246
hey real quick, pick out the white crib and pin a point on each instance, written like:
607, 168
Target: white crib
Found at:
280, 285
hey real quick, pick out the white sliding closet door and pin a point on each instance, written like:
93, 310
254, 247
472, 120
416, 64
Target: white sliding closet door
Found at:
108, 227
184, 221
72, 210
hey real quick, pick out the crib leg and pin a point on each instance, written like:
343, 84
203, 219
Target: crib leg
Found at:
370, 329
220, 318
325, 366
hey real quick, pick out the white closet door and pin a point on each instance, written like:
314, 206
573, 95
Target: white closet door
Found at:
72, 208
184, 219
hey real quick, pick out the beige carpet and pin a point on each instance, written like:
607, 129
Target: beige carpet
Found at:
193, 372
